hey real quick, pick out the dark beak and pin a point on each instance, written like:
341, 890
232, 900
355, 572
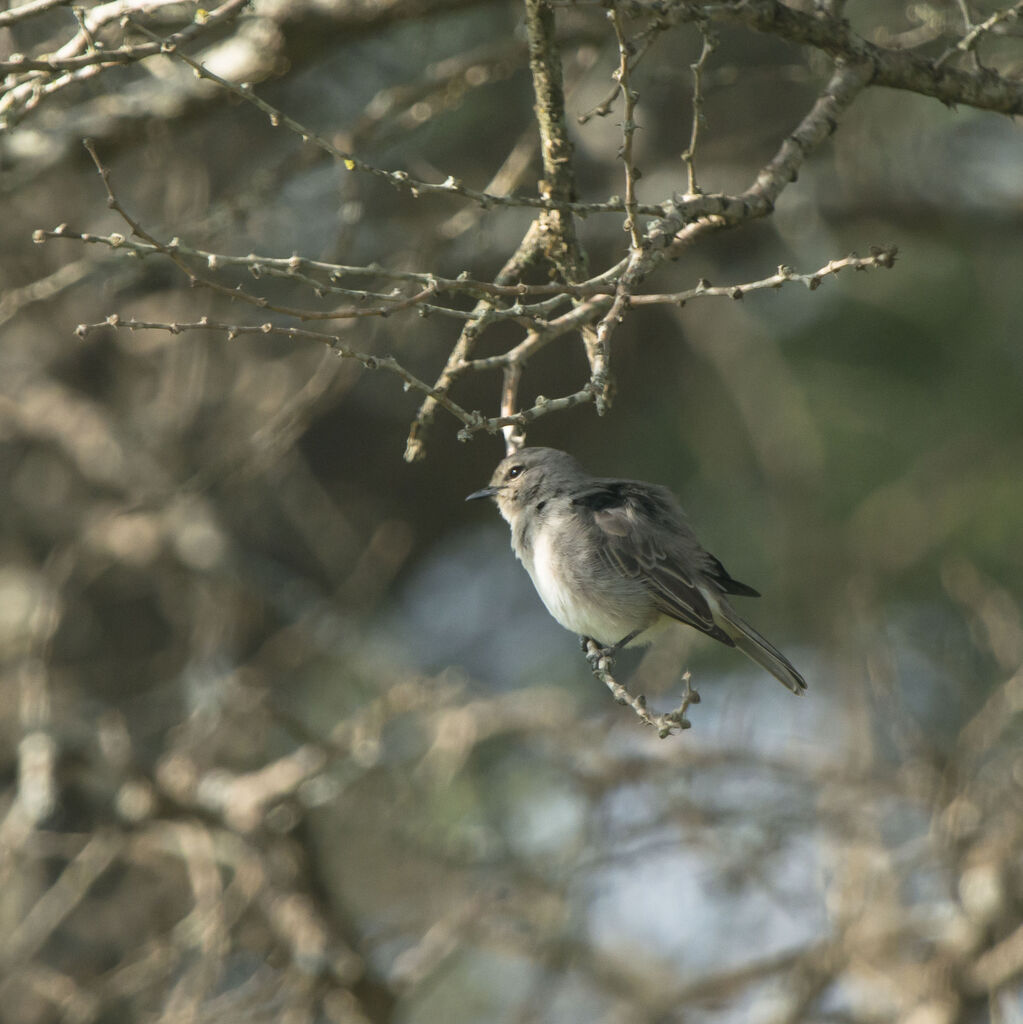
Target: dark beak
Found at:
487, 492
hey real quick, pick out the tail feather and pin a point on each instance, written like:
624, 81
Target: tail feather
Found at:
763, 652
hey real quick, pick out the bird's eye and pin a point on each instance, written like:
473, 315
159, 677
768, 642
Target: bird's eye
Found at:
513, 472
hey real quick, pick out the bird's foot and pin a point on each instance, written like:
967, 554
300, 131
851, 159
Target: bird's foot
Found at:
596, 655
595, 652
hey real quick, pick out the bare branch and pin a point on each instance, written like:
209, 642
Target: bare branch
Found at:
472, 421
896, 69
666, 723
641, 46
551, 235
129, 54
881, 256
549, 200
709, 44
629, 98
968, 43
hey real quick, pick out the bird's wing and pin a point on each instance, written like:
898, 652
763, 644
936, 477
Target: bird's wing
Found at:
641, 534
719, 574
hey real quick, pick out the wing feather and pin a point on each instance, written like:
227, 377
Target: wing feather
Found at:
643, 535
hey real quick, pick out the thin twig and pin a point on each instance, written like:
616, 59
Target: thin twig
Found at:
969, 41
902, 69
514, 434
880, 256
531, 315
629, 97
551, 236
641, 46
472, 421
19, 64
298, 268
689, 156
666, 723
400, 179
170, 250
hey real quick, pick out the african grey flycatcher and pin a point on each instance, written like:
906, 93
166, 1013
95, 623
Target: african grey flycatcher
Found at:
613, 559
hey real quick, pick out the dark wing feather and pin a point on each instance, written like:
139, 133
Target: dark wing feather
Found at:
719, 574
643, 535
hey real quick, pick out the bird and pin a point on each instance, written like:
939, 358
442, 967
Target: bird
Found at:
615, 560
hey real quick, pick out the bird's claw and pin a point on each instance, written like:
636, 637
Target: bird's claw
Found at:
595, 653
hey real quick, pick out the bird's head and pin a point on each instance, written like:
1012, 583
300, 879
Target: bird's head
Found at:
530, 477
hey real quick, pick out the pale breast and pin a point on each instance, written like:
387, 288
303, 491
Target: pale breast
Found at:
586, 605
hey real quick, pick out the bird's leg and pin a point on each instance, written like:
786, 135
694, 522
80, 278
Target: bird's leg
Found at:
598, 652
625, 640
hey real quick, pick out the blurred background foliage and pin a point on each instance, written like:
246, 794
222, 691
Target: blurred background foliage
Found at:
286, 733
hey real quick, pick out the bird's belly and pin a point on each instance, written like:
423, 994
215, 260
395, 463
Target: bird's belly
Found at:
587, 603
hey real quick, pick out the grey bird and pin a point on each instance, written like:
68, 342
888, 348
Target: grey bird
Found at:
613, 559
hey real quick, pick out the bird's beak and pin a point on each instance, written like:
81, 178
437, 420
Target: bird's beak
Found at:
487, 492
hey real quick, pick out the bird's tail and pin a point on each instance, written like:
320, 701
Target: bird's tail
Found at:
764, 653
